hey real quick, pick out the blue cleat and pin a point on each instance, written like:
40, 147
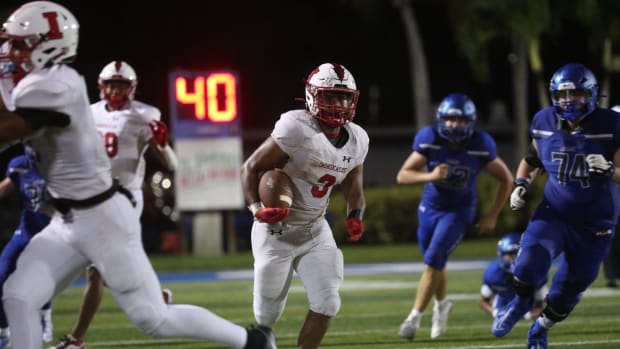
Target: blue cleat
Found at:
537, 336
508, 316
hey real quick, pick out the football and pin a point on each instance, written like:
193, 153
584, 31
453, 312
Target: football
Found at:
275, 189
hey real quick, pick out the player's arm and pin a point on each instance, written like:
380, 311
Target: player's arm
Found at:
411, 172
486, 300
159, 145
486, 305
353, 189
530, 166
6, 187
616, 175
267, 156
24, 122
498, 169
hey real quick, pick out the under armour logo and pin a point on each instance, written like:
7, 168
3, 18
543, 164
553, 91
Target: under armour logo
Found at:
274, 232
346, 158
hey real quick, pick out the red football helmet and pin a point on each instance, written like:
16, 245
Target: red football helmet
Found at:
331, 94
117, 95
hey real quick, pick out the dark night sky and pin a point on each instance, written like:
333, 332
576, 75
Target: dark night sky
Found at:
274, 44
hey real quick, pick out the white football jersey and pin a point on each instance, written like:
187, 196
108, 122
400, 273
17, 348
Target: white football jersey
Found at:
315, 165
125, 135
71, 158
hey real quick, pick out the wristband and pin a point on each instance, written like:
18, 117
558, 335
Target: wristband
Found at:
521, 182
355, 213
254, 207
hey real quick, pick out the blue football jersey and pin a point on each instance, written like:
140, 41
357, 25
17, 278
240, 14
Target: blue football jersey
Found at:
31, 185
498, 279
580, 198
459, 188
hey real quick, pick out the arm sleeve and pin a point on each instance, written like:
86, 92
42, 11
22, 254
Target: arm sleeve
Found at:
37, 118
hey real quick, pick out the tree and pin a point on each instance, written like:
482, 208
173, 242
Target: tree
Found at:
479, 23
418, 67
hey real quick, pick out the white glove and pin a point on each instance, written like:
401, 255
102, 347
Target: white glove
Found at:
598, 165
517, 198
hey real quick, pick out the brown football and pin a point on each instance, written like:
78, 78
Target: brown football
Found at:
275, 189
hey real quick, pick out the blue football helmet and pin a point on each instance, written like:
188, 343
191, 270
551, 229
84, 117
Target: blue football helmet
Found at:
509, 244
456, 105
574, 91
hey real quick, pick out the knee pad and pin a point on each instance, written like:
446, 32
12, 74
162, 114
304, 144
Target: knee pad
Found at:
145, 317
554, 314
327, 303
523, 289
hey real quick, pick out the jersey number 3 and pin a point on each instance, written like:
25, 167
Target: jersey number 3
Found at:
320, 189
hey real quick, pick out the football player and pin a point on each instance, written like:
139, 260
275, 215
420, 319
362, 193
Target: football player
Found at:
578, 145
497, 289
448, 157
128, 128
23, 176
318, 148
94, 220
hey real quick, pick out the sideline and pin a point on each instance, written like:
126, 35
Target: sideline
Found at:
350, 269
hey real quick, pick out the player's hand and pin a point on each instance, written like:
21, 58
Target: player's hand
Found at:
599, 166
272, 215
355, 228
441, 171
517, 198
160, 132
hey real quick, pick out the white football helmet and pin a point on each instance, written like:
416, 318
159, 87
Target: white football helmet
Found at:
118, 71
49, 30
331, 94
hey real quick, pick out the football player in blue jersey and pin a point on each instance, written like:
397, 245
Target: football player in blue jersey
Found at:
448, 157
577, 144
22, 175
497, 290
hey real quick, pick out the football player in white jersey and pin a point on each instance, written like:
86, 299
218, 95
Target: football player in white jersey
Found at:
95, 222
127, 128
318, 148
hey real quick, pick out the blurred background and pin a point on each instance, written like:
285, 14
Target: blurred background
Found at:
406, 55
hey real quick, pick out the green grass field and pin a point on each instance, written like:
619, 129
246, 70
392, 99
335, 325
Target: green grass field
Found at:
372, 308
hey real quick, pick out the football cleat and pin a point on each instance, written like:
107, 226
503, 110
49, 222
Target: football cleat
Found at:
440, 318
508, 316
409, 327
260, 337
537, 336
69, 342
167, 294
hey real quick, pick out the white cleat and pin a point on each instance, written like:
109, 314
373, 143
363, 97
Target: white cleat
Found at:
409, 327
440, 318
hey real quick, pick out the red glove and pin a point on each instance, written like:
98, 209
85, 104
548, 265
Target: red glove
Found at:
160, 133
272, 215
355, 228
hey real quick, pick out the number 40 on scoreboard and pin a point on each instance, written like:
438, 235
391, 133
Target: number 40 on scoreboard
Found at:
204, 103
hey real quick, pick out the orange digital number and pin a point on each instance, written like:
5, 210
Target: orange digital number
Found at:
214, 96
